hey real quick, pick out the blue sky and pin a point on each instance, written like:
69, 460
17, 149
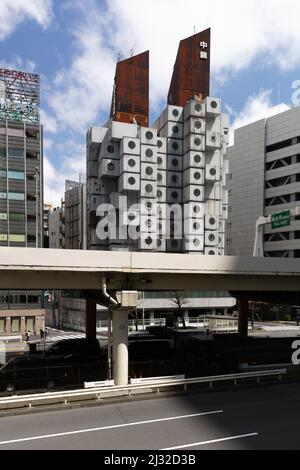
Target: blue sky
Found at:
74, 45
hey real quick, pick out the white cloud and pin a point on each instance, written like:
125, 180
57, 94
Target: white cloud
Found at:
241, 33
16, 63
257, 107
49, 122
71, 156
14, 12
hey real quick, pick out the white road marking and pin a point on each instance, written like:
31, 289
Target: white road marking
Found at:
215, 441
105, 428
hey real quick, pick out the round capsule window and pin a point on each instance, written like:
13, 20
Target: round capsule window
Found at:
159, 177
149, 206
131, 181
159, 194
131, 217
175, 162
212, 221
160, 161
197, 159
196, 226
214, 104
175, 146
197, 193
131, 163
110, 167
149, 135
148, 241
159, 242
197, 142
174, 244
196, 210
212, 238
131, 144
211, 253
110, 149
174, 179
149, 223
149, 153
175, 195
175, 113
196, 242
197, 176
212, 172
198, 125
175, 129
149, 171
198, 108
149, 188
159, 144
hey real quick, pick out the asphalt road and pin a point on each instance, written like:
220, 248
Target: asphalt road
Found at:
267, 418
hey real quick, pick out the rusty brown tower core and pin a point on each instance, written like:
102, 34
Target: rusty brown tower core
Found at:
191, 74
130, 101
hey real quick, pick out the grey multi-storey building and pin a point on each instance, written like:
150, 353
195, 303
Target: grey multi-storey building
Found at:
264, 180
180, 161
21, 189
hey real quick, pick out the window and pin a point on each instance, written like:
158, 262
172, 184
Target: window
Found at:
17, 238
31, 238
3, 237
3, 216
2, 325
14, 217
16, 175
16, 153
32, 134
31, 218
32, 197
33, 156
15, 325
16, 196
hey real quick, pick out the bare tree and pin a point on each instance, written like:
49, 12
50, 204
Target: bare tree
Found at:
179, 301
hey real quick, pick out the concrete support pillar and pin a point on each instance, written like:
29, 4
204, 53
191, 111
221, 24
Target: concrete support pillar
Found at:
90, 319
186, 317
243, 306
152, 318
120, 347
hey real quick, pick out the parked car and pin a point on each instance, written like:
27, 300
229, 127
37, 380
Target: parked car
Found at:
68, 363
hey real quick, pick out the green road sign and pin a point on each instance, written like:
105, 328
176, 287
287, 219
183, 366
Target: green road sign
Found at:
281, 219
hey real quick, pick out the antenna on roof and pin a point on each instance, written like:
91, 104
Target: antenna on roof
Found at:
131, 52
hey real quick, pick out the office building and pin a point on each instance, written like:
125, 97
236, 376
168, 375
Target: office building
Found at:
264, 180
21, 189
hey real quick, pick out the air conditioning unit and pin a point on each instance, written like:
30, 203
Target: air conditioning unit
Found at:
213, 140
130, 146
161, 145
194, 227
129, 182
211, 238
174, 179
173, 130
149, 171
213, 106
212, 173
194, 176
194, 244
194, 160
211, 222
174, 196
194, 143
174, 163
161, 161
130, 164
161, 178
194, 109
193, 193
174, 147
148, 189
109, 169
149, 154
147, 136
194, 126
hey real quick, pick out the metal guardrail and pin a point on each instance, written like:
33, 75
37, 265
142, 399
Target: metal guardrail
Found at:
68, 397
